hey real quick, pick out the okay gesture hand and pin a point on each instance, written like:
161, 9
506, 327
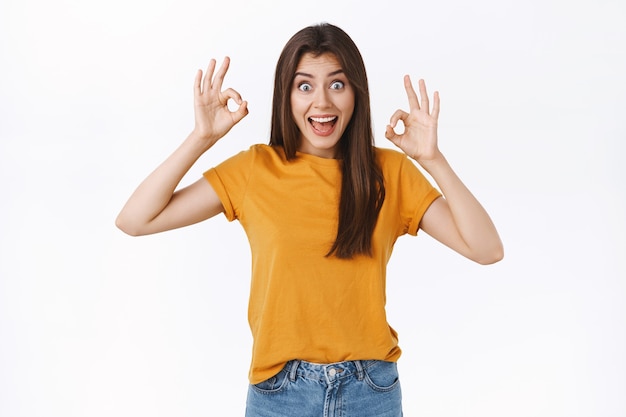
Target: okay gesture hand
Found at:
419, 139
213, 118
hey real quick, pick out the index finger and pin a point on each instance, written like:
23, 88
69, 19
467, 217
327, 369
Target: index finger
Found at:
411, 94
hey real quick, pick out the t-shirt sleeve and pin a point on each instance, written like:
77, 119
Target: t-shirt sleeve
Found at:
415, 195
230, 179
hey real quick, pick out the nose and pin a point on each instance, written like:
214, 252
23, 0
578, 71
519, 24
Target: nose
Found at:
322, 100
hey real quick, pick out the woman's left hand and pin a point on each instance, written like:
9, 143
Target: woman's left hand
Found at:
419, 139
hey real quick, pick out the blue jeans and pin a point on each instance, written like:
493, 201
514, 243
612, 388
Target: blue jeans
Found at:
344, 389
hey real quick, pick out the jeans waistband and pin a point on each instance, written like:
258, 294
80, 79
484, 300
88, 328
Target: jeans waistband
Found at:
327, 372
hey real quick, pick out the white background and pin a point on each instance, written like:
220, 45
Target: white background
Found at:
94, 94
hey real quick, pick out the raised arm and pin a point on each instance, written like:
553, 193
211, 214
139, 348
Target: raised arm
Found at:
155, 206
458, 220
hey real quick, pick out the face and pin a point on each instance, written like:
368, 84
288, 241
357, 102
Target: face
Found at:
322, 102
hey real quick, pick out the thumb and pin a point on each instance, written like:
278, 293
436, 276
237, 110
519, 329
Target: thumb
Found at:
392, 135
241, 112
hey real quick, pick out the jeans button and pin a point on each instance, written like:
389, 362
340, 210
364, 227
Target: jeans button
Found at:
332, 372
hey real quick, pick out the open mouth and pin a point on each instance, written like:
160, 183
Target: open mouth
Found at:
323, 125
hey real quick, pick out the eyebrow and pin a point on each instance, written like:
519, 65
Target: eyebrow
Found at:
304, 74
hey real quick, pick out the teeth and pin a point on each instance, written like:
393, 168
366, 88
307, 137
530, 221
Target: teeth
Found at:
323, 119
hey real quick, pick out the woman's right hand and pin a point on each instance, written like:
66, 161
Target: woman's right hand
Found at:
213, 118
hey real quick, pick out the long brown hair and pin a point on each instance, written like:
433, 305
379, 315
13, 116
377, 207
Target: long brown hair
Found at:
362, 187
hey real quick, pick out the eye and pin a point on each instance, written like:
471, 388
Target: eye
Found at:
337, 85
304, 87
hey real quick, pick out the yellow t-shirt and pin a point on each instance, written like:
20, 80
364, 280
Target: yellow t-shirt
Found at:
304, 305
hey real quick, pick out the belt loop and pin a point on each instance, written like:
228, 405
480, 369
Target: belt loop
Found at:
359, 370
292, 371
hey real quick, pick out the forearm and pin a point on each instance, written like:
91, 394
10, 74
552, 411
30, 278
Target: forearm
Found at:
156, 191
471, 221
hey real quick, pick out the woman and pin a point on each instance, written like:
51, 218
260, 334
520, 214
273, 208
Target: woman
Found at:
322, 208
